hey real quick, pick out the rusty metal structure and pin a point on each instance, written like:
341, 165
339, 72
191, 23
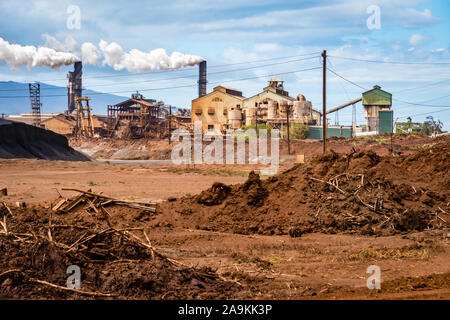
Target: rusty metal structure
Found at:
137, 117
35, 99
85, 125
74, 89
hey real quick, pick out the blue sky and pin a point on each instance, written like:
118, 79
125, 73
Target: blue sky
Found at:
236, 31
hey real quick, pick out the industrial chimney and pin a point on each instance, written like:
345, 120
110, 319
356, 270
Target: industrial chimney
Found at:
202, 79
74, 90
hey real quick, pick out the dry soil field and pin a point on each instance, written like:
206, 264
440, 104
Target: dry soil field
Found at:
308, 233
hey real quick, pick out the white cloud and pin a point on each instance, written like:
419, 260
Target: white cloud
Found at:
417, 39
265, 47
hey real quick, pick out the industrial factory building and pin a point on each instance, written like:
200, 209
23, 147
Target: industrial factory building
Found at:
66, 124
377, 107
222, 109
272, 103
219, 110
139, 117
226, 108
29, 118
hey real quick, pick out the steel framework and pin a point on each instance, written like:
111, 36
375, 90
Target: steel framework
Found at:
35, 99
85, 125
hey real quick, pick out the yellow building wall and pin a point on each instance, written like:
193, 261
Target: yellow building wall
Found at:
58, 126
264, 96
217, 101
316, 116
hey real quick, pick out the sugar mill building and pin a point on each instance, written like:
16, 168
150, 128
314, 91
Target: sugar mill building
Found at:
226, 108
377, 108
272, 103
214, 109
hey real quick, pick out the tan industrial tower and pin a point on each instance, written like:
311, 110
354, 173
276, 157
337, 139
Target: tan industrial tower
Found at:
85, 125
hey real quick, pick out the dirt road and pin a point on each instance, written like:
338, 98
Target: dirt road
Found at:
34, 181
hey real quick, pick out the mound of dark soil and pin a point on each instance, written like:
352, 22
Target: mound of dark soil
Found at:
359, 192
20, 140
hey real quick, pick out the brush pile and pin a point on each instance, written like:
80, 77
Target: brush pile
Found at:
115, 256
359, 192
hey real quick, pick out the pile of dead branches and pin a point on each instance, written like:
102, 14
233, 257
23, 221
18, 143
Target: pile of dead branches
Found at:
96, 202
39, 245
352, 201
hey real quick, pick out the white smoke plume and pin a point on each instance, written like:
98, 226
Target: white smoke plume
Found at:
139, 61
89, 53
55, 54
17, 55
69, 44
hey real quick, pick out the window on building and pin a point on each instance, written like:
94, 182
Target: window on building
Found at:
210, 127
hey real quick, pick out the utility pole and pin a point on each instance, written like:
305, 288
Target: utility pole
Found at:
256, 119
288, 110
324, 103
170, 123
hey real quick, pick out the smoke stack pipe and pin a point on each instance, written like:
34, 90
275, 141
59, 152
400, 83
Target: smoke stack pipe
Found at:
75, 85
202, 79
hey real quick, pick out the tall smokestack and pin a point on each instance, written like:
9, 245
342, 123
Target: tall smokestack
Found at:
74, 90
202, 79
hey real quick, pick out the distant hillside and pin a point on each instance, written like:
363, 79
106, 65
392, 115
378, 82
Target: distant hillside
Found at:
49, 104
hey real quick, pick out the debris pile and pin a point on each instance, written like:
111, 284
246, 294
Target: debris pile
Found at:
359, 192
97, 203
115, 256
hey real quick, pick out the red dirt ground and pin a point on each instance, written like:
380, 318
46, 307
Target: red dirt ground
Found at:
220, 244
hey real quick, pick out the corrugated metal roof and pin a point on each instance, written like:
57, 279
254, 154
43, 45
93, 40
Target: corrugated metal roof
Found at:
135, 101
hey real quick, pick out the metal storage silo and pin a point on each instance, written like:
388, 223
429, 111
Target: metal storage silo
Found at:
235, 119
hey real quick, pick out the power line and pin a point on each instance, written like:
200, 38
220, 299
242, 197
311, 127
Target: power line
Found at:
178, 87
403, 101
187, 69
424, 86
447, 108
353, 83
438, 98
174, 78
422, 114
389, 62
263, 60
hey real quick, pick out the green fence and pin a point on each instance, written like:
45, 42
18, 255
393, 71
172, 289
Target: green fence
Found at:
385, 121
315, 132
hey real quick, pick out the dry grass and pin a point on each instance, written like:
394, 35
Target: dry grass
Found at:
208, 171
371, 253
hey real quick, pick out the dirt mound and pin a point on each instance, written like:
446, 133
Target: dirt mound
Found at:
37, 247
401, 288
359, 192
20, 140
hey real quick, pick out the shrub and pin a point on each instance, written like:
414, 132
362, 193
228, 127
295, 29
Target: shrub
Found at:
296, 131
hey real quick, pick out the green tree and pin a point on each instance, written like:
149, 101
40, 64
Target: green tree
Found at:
296, 131
433, 125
